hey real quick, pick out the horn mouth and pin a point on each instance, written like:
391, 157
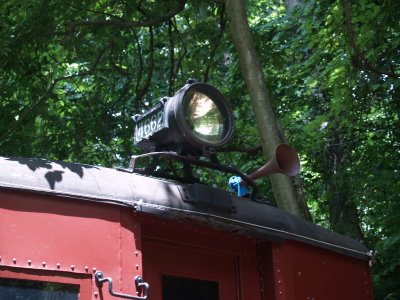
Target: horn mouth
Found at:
287, 159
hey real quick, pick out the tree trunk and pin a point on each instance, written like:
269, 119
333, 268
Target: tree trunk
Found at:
290, 5
284, 191
343, 213
344, 217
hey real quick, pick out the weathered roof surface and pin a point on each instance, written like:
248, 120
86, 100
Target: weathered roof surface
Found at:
186, 203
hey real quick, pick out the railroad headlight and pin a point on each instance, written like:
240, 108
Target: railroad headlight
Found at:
194, 120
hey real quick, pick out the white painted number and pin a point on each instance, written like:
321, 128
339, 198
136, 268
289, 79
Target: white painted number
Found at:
149, 126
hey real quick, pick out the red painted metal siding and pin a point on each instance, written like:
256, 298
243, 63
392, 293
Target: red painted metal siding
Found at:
171, 248
265, 263
66, 240
305, 272
69, 237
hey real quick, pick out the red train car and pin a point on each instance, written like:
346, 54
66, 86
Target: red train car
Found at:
73, 231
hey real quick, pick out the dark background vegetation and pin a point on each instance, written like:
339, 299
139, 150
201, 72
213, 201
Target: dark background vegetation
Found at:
72, 73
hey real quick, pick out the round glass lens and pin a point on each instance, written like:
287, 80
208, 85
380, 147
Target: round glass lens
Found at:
204, 117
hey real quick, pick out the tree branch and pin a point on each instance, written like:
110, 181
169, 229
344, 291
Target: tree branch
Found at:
114, 65
123, 23
140, 92
182, 50
251, 150
217, 44
360, 55
26, 111
97, 12
171, 60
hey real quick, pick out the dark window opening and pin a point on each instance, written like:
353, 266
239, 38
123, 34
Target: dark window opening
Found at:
16, 289
179, 288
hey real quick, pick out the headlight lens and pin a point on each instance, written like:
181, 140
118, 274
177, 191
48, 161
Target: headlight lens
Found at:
204, 117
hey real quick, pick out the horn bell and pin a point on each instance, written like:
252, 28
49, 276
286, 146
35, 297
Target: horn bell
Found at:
285, 161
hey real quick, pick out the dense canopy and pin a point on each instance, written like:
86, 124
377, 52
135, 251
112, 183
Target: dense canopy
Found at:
73, 73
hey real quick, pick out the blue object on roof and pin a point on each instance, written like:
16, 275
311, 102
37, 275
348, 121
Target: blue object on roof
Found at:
235, 186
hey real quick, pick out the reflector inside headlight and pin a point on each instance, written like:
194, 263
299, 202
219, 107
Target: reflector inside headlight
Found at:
203, 117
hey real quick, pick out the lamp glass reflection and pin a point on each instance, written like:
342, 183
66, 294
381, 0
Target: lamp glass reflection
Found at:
204, 117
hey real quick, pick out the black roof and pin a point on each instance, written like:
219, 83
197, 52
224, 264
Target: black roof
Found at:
187, 203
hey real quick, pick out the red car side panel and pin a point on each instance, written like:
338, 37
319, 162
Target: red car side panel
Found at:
69, 236
305, 272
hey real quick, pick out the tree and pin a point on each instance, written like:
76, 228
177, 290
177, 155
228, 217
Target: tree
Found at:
72, 73
270, 134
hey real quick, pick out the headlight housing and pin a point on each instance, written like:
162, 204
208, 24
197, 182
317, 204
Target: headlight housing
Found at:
196, 119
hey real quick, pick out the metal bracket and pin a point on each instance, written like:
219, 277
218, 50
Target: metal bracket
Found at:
190, 160
140, 284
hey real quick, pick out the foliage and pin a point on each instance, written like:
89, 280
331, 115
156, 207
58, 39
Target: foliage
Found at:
343, 116
68, 89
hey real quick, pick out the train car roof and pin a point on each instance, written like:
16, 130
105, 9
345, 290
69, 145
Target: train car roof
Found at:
197, 204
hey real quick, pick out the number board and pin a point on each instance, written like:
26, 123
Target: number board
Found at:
149, 123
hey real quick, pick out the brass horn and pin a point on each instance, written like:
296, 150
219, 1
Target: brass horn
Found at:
285, 161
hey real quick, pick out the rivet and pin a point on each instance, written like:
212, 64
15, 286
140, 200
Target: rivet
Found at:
137, 267
14, 260
136, 253
94, 270
58, 265
86, 269
29, 262
44, 264
72, 267
96, 294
